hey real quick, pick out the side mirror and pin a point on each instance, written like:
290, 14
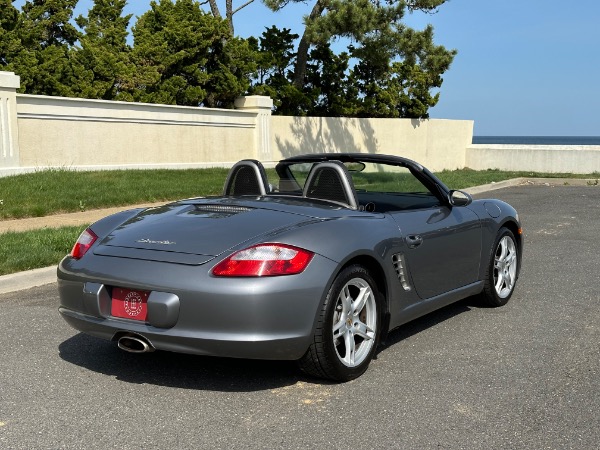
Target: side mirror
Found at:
459, 198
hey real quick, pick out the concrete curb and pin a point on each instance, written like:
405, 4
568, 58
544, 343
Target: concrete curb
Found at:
551, 182
39, 277
26, 280
493, 186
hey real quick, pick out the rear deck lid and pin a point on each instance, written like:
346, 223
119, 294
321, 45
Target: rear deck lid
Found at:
192, 233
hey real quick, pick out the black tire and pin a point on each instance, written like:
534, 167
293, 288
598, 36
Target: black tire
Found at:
358, 326
502, 271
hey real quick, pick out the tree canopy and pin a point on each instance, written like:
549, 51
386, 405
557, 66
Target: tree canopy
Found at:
188, 57
185, 52
102, 62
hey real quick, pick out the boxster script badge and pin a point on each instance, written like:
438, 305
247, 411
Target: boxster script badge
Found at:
150, 241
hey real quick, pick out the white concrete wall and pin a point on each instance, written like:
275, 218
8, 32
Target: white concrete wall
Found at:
534, 158
56, 131
39, 132
437, 144
96, 134
9, 131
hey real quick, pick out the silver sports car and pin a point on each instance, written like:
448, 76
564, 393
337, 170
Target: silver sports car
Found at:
315, 261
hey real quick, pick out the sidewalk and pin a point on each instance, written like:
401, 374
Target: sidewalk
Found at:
65, 220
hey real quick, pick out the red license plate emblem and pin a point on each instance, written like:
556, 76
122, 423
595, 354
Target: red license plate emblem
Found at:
129, 304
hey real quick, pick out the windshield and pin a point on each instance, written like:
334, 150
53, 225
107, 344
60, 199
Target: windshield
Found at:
366, 177
379, 187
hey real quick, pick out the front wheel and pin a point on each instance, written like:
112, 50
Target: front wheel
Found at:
501, 275
348, 328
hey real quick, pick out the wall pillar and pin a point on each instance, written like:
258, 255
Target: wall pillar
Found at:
262, 105
9, 131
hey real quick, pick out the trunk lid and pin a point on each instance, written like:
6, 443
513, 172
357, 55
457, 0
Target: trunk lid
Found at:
192, 233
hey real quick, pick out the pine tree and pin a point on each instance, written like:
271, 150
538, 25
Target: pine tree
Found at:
101, 64
9, 42
185, 56
386, 51
46, 36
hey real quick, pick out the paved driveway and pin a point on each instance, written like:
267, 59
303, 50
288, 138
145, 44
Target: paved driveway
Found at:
523, 376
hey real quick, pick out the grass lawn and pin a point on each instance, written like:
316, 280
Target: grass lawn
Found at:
35, 249
54, 191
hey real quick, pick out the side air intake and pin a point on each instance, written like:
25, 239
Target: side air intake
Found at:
400, 266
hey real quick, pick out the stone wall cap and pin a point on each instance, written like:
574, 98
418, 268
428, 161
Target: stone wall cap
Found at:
254, 102
9, 80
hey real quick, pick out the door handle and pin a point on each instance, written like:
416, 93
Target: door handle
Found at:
414, 240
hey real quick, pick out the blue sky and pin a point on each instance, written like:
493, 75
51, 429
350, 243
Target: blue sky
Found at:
524, 67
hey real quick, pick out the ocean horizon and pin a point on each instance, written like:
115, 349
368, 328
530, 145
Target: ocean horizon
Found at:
537, 140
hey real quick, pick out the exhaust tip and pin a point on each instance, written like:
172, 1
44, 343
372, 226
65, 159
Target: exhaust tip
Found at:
135, 344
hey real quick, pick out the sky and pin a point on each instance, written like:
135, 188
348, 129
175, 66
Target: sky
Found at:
524, 67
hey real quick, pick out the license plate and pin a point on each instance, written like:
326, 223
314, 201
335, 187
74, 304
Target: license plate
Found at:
129, 304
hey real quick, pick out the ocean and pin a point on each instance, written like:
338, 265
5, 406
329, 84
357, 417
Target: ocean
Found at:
538, 140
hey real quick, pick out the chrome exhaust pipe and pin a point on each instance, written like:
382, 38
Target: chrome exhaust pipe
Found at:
135, 344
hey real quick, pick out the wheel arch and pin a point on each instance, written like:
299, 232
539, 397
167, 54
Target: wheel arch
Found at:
376, 271
518, 234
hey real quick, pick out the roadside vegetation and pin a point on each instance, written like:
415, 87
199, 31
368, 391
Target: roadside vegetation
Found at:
35, 249
50, 192
55, 191
186, 52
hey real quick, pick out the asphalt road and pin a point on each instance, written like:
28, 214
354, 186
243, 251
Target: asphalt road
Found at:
523, 376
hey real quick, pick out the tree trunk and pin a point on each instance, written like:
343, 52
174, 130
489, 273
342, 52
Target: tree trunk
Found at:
302, 55
214, 8
229, 14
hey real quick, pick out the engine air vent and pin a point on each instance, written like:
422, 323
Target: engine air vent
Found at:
222, 209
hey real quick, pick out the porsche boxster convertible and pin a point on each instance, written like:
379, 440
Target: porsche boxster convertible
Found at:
314, 261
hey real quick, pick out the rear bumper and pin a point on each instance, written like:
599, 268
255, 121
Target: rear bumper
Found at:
194, 312
241, 346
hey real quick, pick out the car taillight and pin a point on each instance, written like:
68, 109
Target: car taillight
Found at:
83, 244
264, 260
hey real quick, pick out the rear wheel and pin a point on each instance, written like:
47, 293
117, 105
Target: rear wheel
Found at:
501, 275
348, 328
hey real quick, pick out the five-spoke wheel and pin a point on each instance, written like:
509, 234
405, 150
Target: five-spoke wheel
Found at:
501, 275
505, 267
347, 331
354, 322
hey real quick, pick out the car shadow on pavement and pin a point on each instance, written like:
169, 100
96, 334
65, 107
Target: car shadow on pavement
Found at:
185, 371
178, 370
430, 320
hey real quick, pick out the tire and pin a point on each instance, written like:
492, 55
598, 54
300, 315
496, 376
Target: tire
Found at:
501, 274
348, 328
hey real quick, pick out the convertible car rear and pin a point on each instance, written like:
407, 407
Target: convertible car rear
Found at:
315, 261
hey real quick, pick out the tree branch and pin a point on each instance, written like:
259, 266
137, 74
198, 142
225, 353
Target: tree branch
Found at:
214, 8
304, 45
242, 7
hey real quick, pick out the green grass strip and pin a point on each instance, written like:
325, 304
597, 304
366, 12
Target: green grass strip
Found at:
34, 249
56, 191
